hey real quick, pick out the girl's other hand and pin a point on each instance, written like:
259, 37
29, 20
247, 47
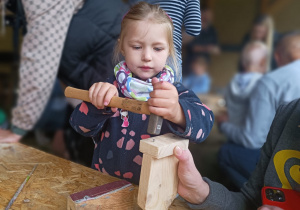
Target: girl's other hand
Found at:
164, 102
101, 93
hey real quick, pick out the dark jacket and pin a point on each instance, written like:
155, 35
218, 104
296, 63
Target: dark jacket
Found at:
117, 148
92, 34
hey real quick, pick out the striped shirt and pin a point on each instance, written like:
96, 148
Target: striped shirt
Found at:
182, 12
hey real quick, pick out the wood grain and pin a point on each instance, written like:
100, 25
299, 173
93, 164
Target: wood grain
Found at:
132, 105
159, 186
163, 145
52, 182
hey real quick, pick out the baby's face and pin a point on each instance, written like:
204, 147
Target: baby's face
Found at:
145, 48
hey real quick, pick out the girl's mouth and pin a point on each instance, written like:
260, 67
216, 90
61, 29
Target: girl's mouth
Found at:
145, 67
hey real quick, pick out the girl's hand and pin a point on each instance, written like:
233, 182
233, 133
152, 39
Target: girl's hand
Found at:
101, 93
164, 102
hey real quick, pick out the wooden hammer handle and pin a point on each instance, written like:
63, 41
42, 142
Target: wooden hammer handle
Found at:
139, 107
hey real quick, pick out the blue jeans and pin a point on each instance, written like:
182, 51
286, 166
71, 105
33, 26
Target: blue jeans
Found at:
238, 162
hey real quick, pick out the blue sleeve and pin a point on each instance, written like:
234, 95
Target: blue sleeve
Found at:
258, 120
192, 17
87, 120
199, 118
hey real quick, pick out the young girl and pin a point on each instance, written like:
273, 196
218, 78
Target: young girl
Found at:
146, 42
183, 13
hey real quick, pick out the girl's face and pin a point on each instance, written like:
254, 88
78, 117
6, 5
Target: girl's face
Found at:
259, 32
145, 48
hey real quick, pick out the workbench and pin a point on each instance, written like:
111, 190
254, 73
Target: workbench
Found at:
51, 183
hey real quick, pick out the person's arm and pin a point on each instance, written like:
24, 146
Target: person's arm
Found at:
199, 118
88, 120
192, 18
215, 196
258, 120
47, 23
201, 193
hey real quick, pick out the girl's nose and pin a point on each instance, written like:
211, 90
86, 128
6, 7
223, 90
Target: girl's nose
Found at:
147, 55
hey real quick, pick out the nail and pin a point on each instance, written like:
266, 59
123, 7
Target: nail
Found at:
178, 151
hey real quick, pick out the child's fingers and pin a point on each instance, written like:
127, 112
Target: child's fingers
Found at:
109, 94
100, 97
162, 85
154, 80
161, 94
160, 102
93, 93
159, 111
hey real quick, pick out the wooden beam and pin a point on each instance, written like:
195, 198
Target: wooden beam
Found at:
159, 180
162, 146
159, 186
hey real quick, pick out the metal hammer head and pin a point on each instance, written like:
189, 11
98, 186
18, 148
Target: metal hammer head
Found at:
155, 124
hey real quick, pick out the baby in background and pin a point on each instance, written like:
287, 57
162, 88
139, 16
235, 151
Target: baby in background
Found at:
198, 80
146, 42
254, 63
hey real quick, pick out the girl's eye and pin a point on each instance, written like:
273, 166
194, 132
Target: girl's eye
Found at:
136, 47
158, 49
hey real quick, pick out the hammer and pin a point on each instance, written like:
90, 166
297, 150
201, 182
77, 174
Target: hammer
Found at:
132, 105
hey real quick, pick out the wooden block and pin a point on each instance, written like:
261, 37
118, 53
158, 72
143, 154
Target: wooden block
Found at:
162, 146
115, 195
159, 186
159, 179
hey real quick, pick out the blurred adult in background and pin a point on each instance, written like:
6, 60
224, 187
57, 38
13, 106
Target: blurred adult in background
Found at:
237, 96
199, 80
87, 55
206, 43
263, 30
270, 92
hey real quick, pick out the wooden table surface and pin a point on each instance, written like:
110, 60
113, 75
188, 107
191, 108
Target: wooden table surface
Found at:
52, 181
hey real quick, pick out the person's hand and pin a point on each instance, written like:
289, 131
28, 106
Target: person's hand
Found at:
267, 207
191, 186
101, 93
6, 136
164, 102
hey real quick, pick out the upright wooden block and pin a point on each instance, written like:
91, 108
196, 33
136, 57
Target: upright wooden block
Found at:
159, 180
116, 195
163, 145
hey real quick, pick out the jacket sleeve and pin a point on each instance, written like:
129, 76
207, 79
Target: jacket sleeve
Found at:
87, 120
192, 18
199, 118
259, 118
220, 198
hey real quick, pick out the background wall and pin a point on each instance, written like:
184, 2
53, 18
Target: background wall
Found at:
233, 18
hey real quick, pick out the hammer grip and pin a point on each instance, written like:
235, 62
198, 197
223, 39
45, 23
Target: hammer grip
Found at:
139, 107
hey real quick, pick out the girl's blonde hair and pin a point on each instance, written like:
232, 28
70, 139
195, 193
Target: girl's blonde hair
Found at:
143, 11
268, 22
